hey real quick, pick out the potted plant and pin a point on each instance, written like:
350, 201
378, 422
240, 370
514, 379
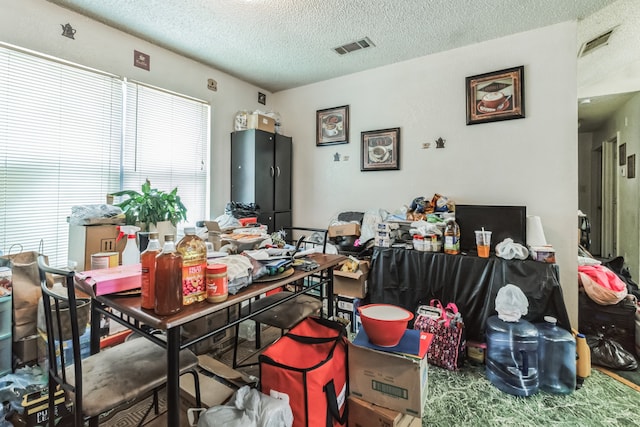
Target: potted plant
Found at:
151, 207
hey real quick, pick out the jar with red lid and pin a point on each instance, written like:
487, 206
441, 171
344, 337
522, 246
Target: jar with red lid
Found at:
217, 284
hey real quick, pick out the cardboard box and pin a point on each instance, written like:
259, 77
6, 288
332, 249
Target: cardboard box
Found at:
219, 342
350, 229
383, 242
85, 240
391, 380
347, 308
351, 284
36, 406
26, 349
262, 122
366, 414
110, 280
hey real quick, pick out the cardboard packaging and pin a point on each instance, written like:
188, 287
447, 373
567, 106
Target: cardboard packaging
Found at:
366, 414
36, 406
217, 343
383, 242
391, 380
26, 349
261, 122
86, 240
347, 308
110, 280
350, 229
351, 284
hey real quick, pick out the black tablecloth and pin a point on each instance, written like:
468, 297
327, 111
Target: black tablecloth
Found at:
409, 278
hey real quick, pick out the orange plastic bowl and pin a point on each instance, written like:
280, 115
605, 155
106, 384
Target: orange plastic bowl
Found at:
384, 323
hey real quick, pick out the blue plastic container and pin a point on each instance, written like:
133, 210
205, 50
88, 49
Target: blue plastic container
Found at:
556, 358
512, 356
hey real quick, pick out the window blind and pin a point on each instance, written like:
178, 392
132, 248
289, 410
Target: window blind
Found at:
60, 131
69, 136
167, 141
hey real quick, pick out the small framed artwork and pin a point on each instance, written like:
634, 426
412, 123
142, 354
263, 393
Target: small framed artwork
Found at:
332, 126
495, 96
631, 166
622, 155
380, 150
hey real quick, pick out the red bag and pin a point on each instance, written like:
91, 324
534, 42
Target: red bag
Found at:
308, 368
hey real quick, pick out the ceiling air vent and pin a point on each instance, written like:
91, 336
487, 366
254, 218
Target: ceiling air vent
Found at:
591, 45
353, 46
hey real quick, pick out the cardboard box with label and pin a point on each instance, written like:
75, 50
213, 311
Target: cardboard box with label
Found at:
353, 284
86, 240
366, 414
350, 229
347, 308
391, 380
261, 122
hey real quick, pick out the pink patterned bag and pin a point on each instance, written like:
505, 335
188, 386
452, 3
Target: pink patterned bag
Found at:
447, 349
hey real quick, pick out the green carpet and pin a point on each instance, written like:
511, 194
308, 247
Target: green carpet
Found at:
467, 398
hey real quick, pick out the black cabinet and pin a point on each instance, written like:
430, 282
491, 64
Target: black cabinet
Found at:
261, 174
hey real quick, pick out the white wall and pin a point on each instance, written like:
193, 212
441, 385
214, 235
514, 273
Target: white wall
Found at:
36, 25
531, 161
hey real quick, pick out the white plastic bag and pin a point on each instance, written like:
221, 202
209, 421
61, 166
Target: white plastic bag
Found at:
508, 249
511, 303
247, 408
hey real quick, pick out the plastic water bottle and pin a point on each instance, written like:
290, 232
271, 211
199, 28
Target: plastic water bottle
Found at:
556, 358
512, 356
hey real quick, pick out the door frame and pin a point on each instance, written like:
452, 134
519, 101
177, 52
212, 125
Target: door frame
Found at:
609, 226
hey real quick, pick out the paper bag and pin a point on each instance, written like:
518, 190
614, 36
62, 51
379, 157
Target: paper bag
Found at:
26, 291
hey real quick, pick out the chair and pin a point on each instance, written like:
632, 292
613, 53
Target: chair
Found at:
286, 315
129, 371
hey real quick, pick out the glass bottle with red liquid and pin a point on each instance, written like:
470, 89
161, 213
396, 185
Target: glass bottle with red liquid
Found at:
148, 278
168, 279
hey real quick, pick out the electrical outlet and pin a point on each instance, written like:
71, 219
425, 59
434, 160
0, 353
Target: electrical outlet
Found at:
108, 245
212, 85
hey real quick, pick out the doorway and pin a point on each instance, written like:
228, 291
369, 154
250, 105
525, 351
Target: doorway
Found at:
609, 198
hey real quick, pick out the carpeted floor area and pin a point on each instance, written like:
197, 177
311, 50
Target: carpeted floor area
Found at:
467, 398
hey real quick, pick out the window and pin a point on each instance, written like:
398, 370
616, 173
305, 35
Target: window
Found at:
71, 135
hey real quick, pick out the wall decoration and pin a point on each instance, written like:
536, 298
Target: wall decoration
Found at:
332, 126
262, 98
622, 154
380, 150
631, 166
495, 96
440, 142
68, 31
141, 60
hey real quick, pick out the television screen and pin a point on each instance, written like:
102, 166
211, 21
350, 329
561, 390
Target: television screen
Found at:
503, 222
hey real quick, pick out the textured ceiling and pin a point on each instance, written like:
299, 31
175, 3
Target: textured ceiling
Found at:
283, 44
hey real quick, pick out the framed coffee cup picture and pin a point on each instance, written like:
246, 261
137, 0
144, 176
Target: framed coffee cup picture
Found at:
495, 96
380, 150
332, 126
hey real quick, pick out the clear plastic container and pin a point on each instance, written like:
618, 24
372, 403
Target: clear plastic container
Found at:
512, 356
556, 358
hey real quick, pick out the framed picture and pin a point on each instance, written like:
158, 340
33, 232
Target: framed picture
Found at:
332, 126
380, 150
622, 154
495, 96
631, 166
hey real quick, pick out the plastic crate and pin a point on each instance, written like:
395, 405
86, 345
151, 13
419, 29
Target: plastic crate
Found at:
5, 354
5, 315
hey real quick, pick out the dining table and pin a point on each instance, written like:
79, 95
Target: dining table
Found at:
315, 277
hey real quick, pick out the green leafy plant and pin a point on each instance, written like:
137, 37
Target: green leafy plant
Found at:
151, 206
